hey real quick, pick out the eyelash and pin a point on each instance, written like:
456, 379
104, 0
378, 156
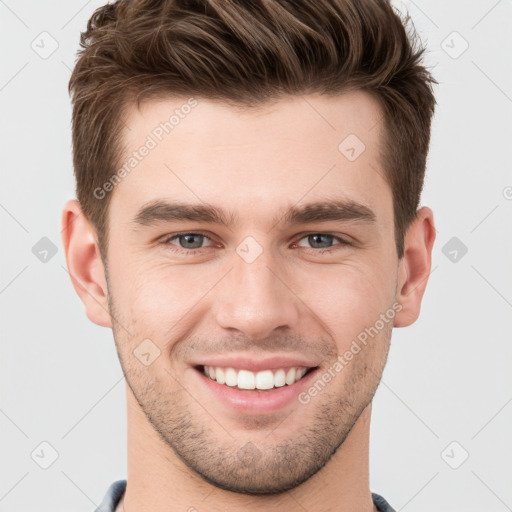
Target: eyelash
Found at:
180, 250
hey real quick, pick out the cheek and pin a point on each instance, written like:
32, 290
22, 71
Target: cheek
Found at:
161, 301
349, 299
159, 298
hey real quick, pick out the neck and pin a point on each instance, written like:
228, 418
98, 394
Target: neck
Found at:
159, 481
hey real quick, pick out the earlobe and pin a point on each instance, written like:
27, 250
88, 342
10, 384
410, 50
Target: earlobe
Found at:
415, 266
84, 263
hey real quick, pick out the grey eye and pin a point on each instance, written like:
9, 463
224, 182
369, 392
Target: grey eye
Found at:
187, 241
318, 240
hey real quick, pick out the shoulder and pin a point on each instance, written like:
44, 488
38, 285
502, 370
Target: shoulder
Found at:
381, 504
112, 497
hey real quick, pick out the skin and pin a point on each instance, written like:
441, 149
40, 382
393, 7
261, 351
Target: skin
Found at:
185, 448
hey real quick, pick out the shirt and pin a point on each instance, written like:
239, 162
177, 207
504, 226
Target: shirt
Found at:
116, 490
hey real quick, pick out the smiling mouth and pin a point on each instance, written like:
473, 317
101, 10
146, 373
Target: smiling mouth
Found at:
246, 380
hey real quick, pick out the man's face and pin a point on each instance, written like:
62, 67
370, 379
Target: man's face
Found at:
263, 294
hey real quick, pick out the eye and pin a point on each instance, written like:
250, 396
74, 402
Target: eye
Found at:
186, 242
193, 242
322, 242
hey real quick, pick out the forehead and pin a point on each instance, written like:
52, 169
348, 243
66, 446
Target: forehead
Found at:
295, 149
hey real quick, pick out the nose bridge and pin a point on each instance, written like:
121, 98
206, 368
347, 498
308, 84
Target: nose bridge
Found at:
254, 298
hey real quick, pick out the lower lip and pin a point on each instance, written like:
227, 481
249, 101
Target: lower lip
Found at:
253, 401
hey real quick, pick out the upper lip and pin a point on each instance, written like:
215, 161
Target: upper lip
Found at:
256, 364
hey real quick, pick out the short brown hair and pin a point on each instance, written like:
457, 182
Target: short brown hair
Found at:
247, 53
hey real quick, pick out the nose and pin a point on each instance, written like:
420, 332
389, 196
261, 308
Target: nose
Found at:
255, 298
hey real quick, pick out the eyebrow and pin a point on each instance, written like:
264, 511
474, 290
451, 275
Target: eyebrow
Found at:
158, 211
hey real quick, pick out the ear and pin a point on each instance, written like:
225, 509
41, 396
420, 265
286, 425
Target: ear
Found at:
84, 262
414, 267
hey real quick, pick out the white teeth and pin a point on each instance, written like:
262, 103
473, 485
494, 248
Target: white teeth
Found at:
279, 378
231, 377
219, 375
300, 373
265, 379
290, 376
245, 379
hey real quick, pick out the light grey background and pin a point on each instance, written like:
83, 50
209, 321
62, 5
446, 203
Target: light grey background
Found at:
448, 377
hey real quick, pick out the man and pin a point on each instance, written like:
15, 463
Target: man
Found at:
247, 223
